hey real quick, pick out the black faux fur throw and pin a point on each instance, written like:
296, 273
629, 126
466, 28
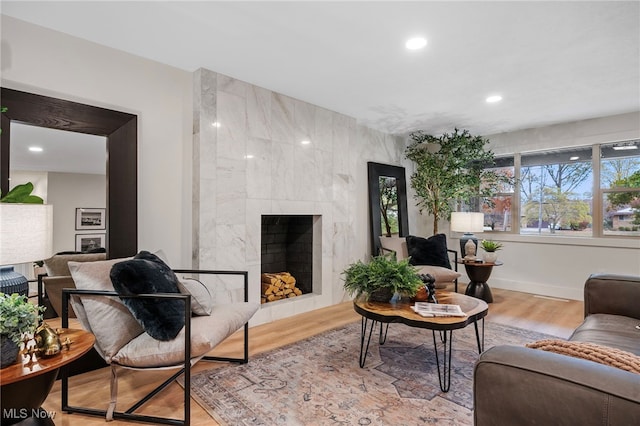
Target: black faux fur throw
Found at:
146, 273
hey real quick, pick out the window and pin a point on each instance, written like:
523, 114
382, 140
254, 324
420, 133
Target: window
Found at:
556, 192
497, 209
620, 188
581, 192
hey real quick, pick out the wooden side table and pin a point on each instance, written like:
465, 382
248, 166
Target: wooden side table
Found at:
24, 386
479, 274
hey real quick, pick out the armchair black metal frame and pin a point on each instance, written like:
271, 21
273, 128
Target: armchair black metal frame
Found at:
186, 368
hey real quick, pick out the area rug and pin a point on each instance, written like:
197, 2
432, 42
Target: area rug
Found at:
318, 381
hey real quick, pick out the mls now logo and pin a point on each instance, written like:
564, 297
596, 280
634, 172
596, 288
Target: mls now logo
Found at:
25, 413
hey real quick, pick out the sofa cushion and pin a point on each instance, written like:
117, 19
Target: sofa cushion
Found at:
201, 301
206, 333
428, 251
57, 265
108, 318
615, 331
162, 319
593, 352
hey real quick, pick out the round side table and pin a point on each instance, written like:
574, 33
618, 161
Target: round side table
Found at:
479, 274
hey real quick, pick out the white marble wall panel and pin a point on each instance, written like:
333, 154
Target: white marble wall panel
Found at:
323, 139
259, 168
326, 178
282, 115
259, 112
304, 121
282, 170
232, 133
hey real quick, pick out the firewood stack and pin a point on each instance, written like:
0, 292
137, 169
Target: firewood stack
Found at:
278, 286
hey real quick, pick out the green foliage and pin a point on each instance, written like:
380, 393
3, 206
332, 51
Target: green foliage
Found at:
451, 168
22, 194
18, 316
558, 209
389, 204
490, 245
382, 271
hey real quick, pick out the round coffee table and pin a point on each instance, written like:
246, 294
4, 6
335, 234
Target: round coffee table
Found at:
386, 313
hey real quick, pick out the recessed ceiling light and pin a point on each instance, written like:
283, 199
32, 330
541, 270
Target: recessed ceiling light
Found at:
305, 142
215, 124
494, 98
574, 158
248, 156
35, 149
416, 43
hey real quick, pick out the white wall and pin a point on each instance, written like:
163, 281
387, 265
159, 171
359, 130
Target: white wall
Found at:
38, 60
67, 192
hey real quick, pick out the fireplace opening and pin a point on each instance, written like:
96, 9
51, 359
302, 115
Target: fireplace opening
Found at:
286, 257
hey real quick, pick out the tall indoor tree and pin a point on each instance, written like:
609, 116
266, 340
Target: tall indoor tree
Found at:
451, 168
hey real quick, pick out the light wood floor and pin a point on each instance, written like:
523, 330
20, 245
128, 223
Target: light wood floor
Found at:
547, 315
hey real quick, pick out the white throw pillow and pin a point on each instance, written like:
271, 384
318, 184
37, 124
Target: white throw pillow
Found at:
201, 301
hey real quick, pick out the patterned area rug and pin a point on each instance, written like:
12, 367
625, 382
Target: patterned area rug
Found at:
318, 381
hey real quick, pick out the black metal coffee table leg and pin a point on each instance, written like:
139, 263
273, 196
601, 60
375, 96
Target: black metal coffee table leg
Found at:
363, 334
480, 344
444, 376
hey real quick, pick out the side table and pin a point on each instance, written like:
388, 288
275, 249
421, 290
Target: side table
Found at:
479, 274
25, 386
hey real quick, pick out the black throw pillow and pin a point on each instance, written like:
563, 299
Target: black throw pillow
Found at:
428, 251
146, 273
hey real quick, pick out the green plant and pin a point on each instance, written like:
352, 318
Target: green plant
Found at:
18, 316
22, 194
490, 245
383, 271
451, 168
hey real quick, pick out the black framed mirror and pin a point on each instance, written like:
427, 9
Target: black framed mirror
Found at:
121, 131
387, 202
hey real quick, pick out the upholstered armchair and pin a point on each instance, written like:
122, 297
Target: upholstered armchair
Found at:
143, 319
430, 255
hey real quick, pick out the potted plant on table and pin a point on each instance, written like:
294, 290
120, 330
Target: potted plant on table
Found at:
490, 248
381, 278
17, 317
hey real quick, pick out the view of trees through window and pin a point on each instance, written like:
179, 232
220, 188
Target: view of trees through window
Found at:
556, 192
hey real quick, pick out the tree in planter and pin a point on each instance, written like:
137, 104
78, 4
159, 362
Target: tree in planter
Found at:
450, 168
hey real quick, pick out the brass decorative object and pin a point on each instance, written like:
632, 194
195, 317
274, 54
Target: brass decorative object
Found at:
47, 341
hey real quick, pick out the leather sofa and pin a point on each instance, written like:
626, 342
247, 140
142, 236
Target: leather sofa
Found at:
524, 386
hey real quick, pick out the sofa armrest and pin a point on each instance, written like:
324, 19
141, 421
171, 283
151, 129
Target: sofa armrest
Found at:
523, 386
612, 294
53, 287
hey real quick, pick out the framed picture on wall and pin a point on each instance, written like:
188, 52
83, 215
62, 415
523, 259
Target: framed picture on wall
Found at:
90, 218
86, 242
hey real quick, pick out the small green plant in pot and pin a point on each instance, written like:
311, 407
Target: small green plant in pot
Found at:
381, 278
17, 318
490, 247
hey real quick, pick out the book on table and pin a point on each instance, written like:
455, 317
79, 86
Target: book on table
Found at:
426, 309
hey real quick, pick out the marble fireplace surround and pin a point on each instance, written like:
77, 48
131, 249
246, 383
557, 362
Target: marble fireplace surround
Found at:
248, 161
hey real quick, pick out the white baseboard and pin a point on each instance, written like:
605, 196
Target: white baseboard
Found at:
539, 288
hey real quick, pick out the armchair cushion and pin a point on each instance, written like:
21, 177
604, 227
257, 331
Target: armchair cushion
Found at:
206, 333
441, 275
162, 319
429, 251
107, 317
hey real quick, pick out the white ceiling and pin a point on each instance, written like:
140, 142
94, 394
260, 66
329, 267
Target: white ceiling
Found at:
551, 61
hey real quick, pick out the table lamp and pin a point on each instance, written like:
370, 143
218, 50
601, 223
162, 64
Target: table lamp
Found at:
26, 235
467, 222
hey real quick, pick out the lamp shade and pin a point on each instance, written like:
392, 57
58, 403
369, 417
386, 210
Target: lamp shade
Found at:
26, 232
467, 222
